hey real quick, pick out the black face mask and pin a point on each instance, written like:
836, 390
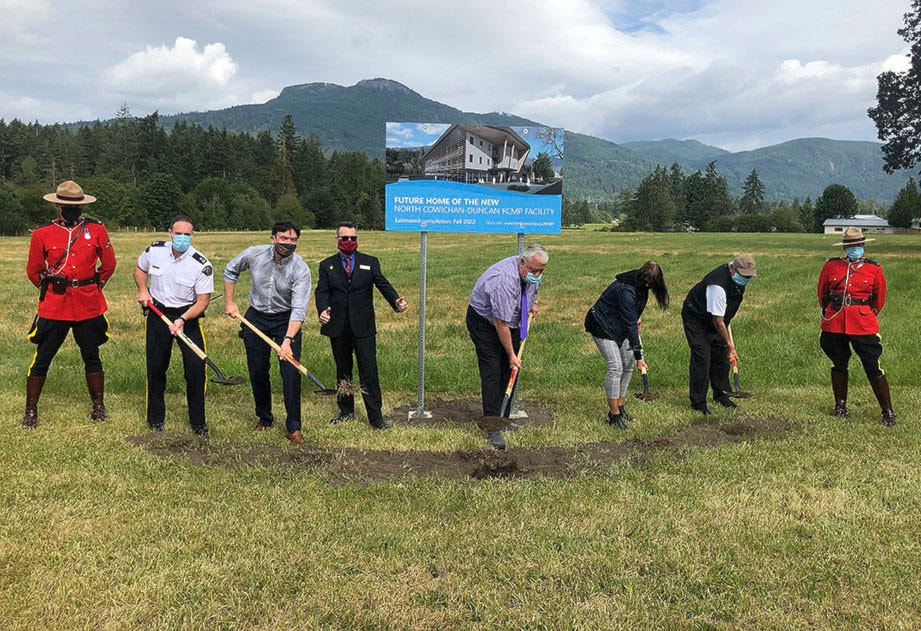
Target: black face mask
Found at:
71, 214
285, 249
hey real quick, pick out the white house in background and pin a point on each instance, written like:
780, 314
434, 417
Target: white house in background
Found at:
869, 224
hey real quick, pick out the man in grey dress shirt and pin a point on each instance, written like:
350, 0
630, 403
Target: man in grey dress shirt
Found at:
278, 301
494, 321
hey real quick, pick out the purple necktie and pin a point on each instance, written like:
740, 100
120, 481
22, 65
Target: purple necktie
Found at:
524, 312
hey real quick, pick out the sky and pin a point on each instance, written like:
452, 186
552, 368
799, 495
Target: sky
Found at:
737, 74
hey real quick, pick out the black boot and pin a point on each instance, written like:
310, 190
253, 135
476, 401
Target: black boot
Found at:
839, 387
881, 390
34, 387
616, 420
625, 415
95, 383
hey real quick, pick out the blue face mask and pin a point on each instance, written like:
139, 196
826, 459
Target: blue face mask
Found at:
738, 279
854, 252
181, 242
531, 279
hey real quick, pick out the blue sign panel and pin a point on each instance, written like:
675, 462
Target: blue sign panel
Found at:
440, 206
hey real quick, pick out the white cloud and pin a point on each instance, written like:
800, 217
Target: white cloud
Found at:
175, 75
21, 21
28, 109
265, 95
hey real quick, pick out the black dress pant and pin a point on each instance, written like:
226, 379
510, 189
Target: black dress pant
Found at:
159, 352
258, 357
492, 360
709, 364
365, 349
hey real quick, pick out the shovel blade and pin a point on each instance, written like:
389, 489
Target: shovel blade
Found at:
228, 381
646, 396
741, 394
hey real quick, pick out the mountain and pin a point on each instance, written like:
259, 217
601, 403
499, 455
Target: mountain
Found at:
343, 118
684, 152
354, 118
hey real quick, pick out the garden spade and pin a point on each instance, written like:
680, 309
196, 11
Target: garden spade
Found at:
289, 358
736, 393
646, 395
514, 376
221, 379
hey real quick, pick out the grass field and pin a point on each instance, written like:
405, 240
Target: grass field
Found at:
815, 525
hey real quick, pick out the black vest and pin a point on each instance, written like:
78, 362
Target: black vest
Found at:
695, 305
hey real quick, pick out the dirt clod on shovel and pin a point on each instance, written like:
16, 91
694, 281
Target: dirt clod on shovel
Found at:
493, 423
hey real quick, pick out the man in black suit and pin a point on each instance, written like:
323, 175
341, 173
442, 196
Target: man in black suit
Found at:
345, 305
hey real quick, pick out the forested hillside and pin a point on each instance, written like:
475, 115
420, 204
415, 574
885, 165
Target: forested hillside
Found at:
314, 154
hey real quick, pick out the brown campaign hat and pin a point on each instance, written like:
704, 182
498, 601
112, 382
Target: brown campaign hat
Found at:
744, 264
853, 236
70, 193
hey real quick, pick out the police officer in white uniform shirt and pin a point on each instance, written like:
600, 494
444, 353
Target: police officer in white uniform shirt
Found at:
181, 282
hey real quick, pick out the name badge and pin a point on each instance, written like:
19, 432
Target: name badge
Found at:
367, 267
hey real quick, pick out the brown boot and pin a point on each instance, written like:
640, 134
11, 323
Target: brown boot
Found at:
839, 387
95, 383
881, 390
34, 387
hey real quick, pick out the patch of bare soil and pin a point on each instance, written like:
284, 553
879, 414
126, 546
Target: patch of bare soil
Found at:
463, 411
346, 464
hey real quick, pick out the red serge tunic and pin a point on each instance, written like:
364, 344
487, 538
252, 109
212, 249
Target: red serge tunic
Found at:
49, 247
859, 300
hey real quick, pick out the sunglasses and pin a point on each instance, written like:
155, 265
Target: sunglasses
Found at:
349, 238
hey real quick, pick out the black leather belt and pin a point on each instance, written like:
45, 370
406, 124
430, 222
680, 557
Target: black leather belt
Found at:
81, 283
848, 301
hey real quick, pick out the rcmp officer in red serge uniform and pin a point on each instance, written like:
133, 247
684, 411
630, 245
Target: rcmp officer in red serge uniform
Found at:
345, 304
62, 264
852, 292
181, 282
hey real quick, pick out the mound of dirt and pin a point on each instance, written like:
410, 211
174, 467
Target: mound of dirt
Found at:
346, 464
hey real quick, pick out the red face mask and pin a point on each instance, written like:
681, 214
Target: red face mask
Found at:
347, 247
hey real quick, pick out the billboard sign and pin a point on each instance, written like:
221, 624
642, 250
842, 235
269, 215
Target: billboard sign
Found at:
473, 178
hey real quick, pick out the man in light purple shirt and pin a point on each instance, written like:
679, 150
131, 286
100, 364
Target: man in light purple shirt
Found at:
494, 321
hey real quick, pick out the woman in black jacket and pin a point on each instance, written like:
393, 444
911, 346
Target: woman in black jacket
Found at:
613, 322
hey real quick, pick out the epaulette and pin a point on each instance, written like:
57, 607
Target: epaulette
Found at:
155, 244
92, 221
42, 225
834, 258
198, 256
871, 262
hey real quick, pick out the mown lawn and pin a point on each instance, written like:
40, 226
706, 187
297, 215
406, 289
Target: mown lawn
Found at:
815, 526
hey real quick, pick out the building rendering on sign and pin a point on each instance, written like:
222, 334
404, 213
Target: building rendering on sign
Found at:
477, 153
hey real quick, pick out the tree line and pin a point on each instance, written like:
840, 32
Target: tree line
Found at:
670, 200
143, 175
